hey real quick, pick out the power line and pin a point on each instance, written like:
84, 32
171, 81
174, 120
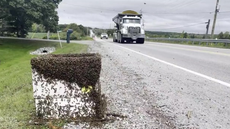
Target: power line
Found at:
164, 13
155, 13
182, 4
181, 13
186, 4
176, 6
223, 19
91, 7
184, 26
225, 11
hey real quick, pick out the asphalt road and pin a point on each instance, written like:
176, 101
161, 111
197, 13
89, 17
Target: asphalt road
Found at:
213, 62
189, 84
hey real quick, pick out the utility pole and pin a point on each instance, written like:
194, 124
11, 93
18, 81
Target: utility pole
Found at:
214, 21
207, 28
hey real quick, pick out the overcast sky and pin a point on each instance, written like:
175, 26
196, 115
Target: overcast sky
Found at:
159, 15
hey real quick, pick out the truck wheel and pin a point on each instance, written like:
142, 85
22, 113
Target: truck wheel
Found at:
130, 41
140, 41
114, 40
122, 40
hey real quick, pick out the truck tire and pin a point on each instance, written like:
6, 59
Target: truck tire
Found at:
120, 38
129, 41
141, 41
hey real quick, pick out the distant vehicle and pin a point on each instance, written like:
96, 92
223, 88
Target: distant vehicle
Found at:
104, 36
128, 27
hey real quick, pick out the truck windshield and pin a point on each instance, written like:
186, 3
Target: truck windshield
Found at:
131, 21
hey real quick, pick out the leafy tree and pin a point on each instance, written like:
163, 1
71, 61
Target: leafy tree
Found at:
80, 29
110, 32
34, 27
72, 26
166, 35
37, 28
182, 34
185, 35
62, 27
21, 14
226, 35
221, 35
75, 36
83, 30
193, 36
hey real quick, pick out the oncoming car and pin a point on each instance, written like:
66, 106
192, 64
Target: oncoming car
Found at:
104, 36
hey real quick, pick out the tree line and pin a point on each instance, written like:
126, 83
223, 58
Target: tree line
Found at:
17, 16
225, 35
79, 31
155, 34
159, 34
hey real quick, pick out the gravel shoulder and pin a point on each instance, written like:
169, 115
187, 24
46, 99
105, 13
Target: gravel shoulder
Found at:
156, 96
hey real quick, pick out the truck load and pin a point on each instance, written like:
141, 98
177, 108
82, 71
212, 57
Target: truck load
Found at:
128, 27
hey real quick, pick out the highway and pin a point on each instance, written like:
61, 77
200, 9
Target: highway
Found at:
188, 85
213, 62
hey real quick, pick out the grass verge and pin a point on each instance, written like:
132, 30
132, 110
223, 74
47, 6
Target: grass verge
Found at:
36, 35
53, 36
203, 44
16, 91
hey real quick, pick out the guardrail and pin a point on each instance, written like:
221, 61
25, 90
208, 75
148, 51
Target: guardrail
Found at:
183, 40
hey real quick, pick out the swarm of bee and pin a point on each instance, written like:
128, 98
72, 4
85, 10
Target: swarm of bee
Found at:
83, 69
78, 72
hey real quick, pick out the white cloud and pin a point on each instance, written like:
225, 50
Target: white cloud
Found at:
159, 15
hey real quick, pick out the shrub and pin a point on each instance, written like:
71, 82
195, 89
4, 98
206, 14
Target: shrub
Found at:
75, 36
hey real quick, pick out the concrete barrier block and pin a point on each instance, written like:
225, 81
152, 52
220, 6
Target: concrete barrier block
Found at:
65, 86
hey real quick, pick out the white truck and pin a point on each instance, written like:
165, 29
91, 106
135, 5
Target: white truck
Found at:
128, 27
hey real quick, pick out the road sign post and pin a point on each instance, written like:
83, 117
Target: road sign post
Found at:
59, 38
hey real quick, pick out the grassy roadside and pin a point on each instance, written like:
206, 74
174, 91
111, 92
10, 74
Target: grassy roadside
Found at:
203, 44
52, 35
36, 35
16, 91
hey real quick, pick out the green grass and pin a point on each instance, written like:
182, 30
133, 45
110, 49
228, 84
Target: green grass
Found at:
203, 44
86, 38
52, 35
16, 91
36, 35
32, 35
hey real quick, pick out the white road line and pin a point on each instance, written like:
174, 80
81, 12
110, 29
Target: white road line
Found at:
194, 50
179, 67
